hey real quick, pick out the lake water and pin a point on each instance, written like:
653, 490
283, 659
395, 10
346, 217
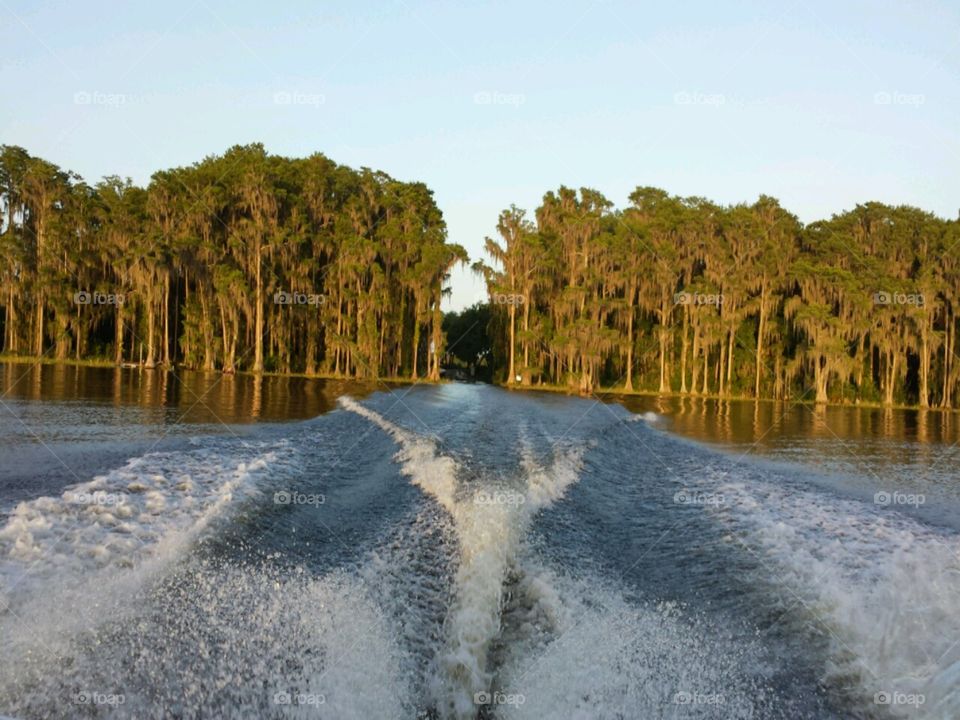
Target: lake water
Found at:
205, 546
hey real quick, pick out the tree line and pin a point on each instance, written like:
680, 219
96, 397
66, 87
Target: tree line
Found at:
681, 295
242, 261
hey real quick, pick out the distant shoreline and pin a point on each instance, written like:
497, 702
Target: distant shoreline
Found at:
602, 393
109, 364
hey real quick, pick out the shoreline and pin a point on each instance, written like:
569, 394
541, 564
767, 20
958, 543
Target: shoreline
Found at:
600, 393
109, 364
612, 393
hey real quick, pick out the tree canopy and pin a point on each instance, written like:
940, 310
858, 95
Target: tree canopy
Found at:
244, 260
679, 294
468, 341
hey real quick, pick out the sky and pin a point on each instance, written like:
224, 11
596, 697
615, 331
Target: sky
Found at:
820, 104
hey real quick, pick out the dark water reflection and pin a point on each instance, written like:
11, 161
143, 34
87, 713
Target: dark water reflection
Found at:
63, 424
182, 396
60, 424
771, 425
855, 450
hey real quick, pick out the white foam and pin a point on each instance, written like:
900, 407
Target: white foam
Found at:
649, 417
884, 587
432, 472
582, 651
489, 524
297, 647
101, 539
546, 485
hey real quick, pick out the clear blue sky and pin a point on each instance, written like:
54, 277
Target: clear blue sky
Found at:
821, 104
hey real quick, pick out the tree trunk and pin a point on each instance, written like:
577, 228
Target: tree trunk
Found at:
258, 338
223, 331
511, 378
732, 337
527, 373
694, 365
11, 345
892, 361
166, 319
925, 367
820, 378
38, 326
761, 330
663, 362
721, 366
683, 350
664, 383
151, 333
630, 313
706, 370
416, 334
945, 400
398, 362
435, 340
209, 355
118, 335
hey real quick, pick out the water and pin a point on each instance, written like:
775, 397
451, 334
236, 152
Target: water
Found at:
460, 551
63, 424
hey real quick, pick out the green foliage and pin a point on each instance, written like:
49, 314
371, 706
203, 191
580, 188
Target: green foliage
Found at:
468, 342
241, 261
682, 295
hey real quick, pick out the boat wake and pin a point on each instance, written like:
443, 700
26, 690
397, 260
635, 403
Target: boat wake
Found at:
489, 517
524, 641
883, 589
444, 585
104, 538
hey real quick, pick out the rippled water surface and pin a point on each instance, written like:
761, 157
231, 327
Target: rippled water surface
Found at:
200, 546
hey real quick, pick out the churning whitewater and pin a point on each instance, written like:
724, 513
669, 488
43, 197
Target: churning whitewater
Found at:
464, 552
489, 519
